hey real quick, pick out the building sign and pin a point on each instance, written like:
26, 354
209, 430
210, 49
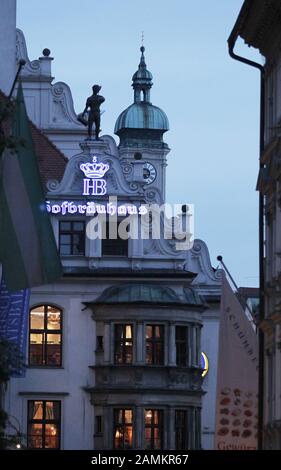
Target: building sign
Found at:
14, 309
204, 364
92, 208
94, 184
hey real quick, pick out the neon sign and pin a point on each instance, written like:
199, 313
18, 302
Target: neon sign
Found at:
94, 184
204, 364
92, 208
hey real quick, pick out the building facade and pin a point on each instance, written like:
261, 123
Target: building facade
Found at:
122, 351
259, 25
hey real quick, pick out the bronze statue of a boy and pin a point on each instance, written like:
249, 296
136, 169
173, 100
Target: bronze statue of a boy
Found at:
93, 103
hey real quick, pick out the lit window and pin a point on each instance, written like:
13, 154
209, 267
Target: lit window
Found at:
181, 435
153, 429
45, 335
123, 344
44, 423
123, 429
155, 344
72, 238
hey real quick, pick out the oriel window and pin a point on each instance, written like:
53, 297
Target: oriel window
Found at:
123, 347
44, 424
123, 429
155, 344
72, 238
153, 429
45, 336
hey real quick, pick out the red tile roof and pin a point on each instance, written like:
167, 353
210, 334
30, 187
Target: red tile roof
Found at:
51, 160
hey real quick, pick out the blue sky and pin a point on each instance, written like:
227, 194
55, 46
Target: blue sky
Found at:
212, 102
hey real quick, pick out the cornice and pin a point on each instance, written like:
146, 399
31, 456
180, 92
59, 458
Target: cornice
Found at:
260, 27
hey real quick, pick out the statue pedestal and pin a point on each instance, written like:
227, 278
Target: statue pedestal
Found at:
93, 146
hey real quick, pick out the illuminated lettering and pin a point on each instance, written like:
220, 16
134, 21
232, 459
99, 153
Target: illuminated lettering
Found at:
94, 187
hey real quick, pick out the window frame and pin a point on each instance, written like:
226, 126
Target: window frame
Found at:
72, 232
152, 426
45, 331
154, 341
105, 242
122, 343
44, 421
182, 428
123, 425
180, 343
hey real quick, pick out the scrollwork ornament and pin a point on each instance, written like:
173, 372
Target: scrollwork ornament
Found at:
134, 186
52, 185
58, 90
127, 168
196, 247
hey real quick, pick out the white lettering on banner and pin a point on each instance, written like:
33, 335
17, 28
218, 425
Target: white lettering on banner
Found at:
91, 208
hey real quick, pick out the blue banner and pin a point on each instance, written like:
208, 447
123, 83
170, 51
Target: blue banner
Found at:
14, 311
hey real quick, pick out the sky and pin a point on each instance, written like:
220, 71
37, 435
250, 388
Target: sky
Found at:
212, 101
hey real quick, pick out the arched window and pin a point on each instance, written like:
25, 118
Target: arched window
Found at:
45, 336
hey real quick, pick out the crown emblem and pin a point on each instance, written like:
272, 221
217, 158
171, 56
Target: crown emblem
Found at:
94, 170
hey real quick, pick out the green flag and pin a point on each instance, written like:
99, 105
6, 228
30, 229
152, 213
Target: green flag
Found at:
28, 250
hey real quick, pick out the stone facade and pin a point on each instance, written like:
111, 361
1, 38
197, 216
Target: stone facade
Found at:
179, 291
259, 25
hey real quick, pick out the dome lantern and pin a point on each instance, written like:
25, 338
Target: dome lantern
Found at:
142, 81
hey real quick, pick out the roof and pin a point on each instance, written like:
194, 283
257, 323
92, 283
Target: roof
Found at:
142, 115
258, 23
51, 160
147, 293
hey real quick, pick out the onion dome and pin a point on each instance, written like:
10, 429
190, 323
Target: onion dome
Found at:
142, 120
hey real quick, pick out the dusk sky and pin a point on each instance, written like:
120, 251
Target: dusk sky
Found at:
212, 101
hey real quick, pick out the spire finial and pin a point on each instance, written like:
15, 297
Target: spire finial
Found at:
142, 49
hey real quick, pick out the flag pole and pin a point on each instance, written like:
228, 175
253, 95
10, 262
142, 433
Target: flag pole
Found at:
220, 259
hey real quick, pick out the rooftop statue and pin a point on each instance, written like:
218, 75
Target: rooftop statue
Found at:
93, 104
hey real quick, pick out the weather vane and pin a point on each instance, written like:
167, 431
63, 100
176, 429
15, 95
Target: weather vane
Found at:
142, 37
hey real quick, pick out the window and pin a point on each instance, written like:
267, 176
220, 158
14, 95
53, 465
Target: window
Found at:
99, 345
123, 351
45, 335
197, 430
44, 422
123, 429
182, 346
155, 344
137, 156
114, 246
197, 346
181, 436
98, 427
72, 238
153, 429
